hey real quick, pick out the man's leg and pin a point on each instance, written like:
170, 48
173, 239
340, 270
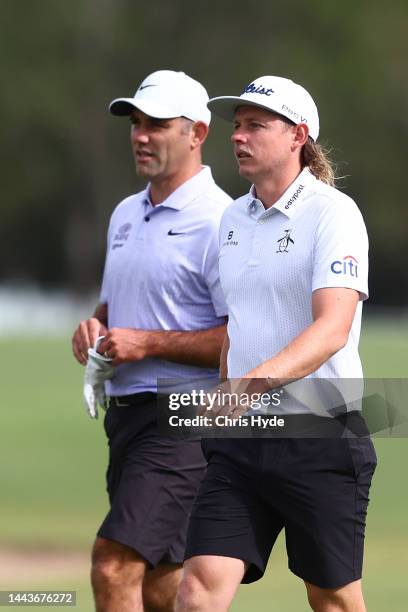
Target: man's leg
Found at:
231, 531
160, 587
152, 483
348, 598
325, 510
117, 576
209, 583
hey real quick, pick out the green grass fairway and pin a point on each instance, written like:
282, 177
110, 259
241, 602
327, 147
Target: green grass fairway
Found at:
53, 460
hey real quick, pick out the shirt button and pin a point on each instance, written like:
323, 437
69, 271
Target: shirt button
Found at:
147, 218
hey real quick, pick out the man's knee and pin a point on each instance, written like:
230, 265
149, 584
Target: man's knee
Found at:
158, 601
160, 588
191, 595
209, 583
115, 564
344, 599
324, 602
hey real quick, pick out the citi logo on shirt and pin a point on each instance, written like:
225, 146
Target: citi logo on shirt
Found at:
348, 266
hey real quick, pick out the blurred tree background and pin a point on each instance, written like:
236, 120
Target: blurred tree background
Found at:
66, 162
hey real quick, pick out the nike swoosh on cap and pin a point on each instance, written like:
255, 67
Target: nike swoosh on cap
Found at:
171, 233
144, 86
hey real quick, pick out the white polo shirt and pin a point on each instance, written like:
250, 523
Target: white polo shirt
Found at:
161, 273
272, 260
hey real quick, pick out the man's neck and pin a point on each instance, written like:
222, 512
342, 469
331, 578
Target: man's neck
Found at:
160, 190
272, 188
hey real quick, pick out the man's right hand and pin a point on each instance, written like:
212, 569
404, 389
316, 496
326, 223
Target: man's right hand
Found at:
85, 337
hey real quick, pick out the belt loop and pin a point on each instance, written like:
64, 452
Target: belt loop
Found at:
118, 403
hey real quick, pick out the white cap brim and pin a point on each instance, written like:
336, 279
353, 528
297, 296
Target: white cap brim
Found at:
122, 107
225, 106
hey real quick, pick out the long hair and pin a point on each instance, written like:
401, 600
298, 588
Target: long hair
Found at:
317, 159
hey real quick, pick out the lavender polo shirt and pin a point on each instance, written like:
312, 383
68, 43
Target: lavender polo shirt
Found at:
161, 273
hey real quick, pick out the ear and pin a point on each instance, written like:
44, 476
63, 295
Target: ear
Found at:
199, 133
300, 135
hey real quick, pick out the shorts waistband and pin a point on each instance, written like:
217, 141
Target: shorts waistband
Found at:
126, 401
311, 425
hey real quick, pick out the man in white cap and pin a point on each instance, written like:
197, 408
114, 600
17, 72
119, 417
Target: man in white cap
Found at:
293, 268
162, 315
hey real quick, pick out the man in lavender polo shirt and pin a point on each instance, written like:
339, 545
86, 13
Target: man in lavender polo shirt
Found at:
162, 313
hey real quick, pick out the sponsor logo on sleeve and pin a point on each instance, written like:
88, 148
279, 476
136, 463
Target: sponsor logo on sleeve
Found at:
348, 266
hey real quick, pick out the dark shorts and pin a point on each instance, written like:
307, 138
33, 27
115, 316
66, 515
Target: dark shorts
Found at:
315, 489
152, 482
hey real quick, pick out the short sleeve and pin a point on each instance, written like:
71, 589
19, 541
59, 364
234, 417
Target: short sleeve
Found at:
104, 292
212, 276
340, 255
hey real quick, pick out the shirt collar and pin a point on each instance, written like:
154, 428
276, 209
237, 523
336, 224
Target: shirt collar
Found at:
290, 199
186, 193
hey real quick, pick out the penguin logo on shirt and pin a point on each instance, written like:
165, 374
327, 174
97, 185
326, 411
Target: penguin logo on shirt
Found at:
284, 242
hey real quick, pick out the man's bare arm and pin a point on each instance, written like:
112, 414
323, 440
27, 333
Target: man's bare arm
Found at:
200, 348
333, 313
101, 313
223, 358
88, 331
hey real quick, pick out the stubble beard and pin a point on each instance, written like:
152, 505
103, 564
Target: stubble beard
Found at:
147, 170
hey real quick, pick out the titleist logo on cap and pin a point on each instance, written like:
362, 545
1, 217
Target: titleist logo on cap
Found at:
258, 89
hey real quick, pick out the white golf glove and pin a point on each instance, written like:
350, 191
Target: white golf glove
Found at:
97, 370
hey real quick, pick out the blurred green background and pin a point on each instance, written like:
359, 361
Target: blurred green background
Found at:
52, 482
65, 164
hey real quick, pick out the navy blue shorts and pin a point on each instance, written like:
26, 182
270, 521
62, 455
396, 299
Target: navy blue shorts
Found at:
152, 482
315, 489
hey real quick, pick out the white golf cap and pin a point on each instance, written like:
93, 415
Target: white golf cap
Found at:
166, 94
276, 94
